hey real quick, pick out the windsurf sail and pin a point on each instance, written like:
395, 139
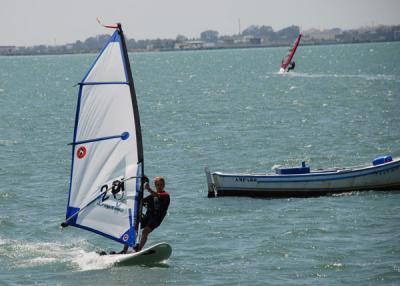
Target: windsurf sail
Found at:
106, 185
286, 62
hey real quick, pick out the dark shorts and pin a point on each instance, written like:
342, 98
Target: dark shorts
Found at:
151, 221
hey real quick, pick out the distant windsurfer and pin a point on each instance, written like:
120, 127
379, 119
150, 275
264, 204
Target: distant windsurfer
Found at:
157, 204
287, 64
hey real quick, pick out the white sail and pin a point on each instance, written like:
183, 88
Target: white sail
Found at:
107, 148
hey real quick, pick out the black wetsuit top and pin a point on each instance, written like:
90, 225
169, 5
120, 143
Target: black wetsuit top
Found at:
156, 210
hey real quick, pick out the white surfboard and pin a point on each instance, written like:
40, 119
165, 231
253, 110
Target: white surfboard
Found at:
148, 256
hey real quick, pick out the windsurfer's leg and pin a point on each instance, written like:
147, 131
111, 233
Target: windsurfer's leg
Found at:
143, 239
125, 250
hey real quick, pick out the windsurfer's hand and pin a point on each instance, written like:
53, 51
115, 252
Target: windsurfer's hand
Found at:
147, 186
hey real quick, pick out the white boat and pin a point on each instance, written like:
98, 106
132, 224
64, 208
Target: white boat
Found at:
106, 185
383, 174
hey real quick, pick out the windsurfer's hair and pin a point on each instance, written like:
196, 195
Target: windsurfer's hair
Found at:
161, 179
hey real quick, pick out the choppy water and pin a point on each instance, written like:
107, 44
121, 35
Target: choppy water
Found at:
229, 110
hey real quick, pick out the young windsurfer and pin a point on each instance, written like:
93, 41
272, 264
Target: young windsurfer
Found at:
157, 205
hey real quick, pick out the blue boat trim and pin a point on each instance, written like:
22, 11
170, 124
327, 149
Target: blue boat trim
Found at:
317, 176
342, 176
123, 136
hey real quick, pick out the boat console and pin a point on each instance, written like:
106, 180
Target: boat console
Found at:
293, 171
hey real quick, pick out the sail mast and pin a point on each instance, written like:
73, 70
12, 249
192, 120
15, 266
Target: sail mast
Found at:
137, 121
133, 97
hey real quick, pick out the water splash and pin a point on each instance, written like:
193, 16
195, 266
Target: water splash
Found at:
23, 254
359, 76
4, 142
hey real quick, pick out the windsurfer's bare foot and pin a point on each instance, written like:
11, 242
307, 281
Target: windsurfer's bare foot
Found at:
124, 250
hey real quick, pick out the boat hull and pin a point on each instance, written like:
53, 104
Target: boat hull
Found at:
316, 183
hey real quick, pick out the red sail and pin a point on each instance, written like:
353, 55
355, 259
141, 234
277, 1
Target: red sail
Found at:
286, 62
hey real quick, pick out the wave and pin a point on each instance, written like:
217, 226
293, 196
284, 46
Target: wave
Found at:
5, 221
359, 76
4, 142
22, 254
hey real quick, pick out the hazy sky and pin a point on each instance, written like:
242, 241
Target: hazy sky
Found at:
32, 22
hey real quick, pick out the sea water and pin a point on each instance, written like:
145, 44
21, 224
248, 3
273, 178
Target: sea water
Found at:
229, 110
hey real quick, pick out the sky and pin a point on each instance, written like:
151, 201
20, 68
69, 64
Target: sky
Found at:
57, 22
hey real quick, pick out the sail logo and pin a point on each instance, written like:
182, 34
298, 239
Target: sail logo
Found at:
81, 152
125, 237
117, 190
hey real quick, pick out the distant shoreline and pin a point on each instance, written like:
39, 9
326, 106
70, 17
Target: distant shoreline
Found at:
234, 47
252, 37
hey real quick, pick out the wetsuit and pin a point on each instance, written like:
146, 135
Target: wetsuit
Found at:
156, 210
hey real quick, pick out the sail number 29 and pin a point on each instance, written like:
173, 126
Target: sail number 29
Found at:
117, 186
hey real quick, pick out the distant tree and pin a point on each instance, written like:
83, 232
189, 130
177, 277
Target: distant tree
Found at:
141, 44
167, 44
103, 39
131, 44
180, 38
209, 36
40, 48
91, 43
95, 43
288, 34
257, 31
78, 46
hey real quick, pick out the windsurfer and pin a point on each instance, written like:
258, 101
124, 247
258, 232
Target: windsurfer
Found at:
157, 204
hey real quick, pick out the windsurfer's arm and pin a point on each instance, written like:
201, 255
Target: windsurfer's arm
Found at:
153, 193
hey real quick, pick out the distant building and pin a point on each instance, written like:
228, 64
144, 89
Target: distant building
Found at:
396, 35
190, 45
7, 50
326, 35
255, 41
228, 41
